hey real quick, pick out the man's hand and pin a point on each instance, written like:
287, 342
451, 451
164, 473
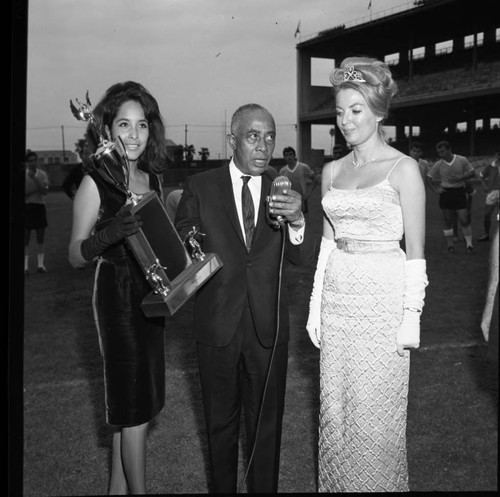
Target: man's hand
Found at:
288, 205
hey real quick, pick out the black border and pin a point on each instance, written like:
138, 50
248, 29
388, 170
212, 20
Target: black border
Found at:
17, 143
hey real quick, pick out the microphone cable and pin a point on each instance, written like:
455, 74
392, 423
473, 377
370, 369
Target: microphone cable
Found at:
268, 374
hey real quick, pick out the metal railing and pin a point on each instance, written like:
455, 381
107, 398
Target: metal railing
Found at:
362, 20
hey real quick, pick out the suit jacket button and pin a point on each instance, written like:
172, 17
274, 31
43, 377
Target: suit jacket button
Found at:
249, 264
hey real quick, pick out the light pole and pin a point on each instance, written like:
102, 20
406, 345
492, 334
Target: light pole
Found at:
332, 134
225, 133
63, 147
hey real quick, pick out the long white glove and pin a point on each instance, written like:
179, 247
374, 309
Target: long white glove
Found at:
314, 319
408, 336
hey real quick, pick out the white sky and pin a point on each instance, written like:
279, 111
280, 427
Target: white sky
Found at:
201, 59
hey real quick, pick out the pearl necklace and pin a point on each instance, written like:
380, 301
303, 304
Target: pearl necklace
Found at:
355, 163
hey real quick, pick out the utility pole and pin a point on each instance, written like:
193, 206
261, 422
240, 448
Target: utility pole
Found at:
222, 131
225, 133
186, 135
64, 150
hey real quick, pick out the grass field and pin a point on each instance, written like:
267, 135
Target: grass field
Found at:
453, 401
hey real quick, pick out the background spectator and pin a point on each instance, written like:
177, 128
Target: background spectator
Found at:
35, 213
300, 175
490, 179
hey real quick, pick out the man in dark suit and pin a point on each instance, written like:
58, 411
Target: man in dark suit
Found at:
238, 329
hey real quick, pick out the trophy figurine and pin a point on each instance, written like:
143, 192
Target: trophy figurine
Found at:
110, 159
196, 252
173, 273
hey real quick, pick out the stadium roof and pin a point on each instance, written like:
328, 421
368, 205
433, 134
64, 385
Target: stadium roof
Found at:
430, 21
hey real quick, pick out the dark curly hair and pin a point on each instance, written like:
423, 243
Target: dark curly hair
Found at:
154, 158
287, 150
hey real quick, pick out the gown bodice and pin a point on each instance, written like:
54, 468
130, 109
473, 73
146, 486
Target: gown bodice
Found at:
366, 214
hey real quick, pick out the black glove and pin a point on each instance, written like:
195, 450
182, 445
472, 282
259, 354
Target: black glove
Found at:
121, 226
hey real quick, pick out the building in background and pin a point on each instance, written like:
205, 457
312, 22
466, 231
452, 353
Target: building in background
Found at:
48, 157
57, 164
445, 55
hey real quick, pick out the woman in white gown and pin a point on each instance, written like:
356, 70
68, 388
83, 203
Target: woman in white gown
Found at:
368, 294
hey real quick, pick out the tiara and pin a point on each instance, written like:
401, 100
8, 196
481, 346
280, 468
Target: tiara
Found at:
352, 75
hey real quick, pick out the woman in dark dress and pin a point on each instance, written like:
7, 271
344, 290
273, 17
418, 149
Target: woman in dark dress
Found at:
132, 346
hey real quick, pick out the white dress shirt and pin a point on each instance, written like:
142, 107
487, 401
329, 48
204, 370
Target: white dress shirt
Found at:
254, 185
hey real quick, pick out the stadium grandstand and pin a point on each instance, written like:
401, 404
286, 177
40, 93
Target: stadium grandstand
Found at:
445, 56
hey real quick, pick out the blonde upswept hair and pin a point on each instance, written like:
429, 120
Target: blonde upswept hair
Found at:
378, 89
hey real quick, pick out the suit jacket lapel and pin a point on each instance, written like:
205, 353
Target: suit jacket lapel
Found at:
227, 196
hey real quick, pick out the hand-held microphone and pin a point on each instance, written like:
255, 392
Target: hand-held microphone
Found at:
278, 185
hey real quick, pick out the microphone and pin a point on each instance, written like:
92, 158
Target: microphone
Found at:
279, 184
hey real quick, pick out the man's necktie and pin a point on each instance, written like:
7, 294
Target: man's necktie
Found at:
248, 211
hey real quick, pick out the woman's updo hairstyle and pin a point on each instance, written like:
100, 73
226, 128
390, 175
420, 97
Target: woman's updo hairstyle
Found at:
378, 89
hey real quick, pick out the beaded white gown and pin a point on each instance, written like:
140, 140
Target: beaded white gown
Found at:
363, 380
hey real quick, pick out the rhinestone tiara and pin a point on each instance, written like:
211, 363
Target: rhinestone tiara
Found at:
352, 75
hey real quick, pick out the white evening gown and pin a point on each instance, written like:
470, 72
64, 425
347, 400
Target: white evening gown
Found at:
363, 380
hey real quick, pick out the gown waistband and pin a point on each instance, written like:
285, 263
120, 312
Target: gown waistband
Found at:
359, 246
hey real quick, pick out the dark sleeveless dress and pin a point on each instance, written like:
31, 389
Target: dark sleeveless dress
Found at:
132, 345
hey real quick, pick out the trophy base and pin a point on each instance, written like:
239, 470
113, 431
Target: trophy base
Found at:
181, 288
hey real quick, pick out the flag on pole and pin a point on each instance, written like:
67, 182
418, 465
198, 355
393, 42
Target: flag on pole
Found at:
297, 31
370, 5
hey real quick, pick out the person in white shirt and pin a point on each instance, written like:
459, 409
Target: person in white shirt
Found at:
300, 175
172, 201
35, 212
451, 173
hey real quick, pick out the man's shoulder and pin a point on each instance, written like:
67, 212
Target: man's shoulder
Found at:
209, 175
174, 195
462, 158
42, 176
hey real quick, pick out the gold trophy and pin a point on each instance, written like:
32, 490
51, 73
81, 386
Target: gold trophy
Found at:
173, 273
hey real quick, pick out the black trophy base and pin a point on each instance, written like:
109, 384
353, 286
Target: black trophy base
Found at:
181, 288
